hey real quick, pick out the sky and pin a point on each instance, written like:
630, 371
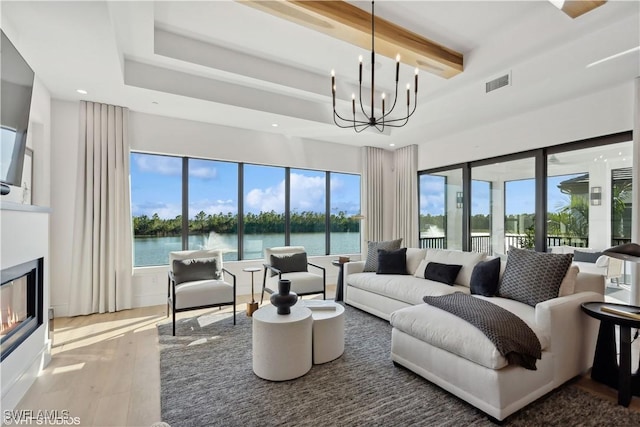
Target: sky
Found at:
520, 195
156, 183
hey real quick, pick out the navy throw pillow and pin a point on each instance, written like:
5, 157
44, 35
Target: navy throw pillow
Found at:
443, 273
392, 262
485, 278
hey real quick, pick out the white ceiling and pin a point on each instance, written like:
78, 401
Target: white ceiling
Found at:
225, 63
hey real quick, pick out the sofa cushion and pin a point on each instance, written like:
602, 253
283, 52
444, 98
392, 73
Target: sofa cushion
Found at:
485, 278
392, 262
468, 260
581, 256
403, 288
371, 263
289, 263
414, 257
568, 285
532, 277
443, 273
455, 335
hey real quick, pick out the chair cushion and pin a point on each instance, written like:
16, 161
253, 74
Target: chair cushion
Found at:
581, 256
289, 263
199, 253
301, 282
189, 270
202, 293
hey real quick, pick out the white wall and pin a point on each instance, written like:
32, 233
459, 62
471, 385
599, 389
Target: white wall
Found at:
158, 134
602, 113
25, 237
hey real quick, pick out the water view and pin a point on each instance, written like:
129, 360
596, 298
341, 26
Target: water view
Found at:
149, 251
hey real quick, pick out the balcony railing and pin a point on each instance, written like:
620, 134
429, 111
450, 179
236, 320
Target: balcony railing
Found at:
482, 242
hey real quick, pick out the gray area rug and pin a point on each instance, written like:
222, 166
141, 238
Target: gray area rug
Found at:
207, 380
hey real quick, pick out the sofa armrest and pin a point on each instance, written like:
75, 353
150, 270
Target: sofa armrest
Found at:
590, 282
353, 267
572, 333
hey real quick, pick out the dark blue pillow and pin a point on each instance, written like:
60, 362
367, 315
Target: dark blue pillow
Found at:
392, 262
443, 273
485, 278
592, 257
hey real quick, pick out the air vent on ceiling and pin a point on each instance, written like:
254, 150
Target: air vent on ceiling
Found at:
497, 83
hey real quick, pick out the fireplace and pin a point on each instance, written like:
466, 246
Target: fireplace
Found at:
21, 304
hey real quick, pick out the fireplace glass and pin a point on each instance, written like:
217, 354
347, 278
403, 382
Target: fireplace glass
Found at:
21, 300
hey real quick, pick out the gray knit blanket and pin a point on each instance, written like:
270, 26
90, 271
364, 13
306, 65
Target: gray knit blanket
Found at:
513, 338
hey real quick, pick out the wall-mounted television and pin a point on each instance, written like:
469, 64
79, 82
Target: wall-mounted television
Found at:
15, 94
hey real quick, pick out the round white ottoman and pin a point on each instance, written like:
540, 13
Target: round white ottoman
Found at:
282, 343
328, 334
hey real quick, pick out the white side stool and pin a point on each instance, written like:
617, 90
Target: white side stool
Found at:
282, 343
328, 334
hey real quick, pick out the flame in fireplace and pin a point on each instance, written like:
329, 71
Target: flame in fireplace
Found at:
11, 320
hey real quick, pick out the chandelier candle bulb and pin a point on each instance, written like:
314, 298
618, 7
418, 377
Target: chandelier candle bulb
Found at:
353, 103
360, 68
408, 87
416, 80
397, 67
383, 104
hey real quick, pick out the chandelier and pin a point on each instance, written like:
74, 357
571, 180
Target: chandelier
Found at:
364, 121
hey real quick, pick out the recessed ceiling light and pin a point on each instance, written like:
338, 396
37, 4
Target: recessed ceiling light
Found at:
275, 125
392, 145
82, 91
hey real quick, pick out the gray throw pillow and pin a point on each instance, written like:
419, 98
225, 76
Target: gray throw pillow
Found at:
289, 263
592, 257
532, 277
190, 270
371, 264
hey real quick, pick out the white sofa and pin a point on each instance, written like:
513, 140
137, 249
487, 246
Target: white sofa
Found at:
456, 356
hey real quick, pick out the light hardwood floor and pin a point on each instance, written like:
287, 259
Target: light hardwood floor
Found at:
105, 368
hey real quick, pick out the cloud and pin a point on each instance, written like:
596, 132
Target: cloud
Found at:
164, 210
211, 207
307, 194
162, 165
203, 172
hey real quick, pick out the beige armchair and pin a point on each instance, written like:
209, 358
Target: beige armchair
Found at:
290, 262
196, 280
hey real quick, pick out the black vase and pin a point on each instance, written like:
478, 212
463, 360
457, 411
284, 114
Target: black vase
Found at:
284, 299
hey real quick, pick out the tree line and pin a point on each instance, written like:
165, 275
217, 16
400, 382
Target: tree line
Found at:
263, 222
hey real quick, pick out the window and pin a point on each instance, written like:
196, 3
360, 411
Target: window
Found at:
213, 206
345, 203
264, 206
308, 210
276, 206
441, 203
156, 207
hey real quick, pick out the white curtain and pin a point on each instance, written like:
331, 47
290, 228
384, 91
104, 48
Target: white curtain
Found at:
372, 193
405, 217
102, 255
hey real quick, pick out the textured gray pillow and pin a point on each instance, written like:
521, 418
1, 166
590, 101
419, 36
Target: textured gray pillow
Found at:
289, 263
532, 277
190, 270
371, 264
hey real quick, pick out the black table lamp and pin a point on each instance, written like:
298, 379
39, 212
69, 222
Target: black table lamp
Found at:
627, 252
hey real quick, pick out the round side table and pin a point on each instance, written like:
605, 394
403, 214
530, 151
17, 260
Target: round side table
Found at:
282, 343
328, 334
606, 368
253, 305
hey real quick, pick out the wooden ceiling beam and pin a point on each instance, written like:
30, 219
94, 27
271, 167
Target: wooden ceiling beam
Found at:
353, 25
575, 8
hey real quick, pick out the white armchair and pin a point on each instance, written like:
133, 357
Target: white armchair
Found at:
196, 280
290, 262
